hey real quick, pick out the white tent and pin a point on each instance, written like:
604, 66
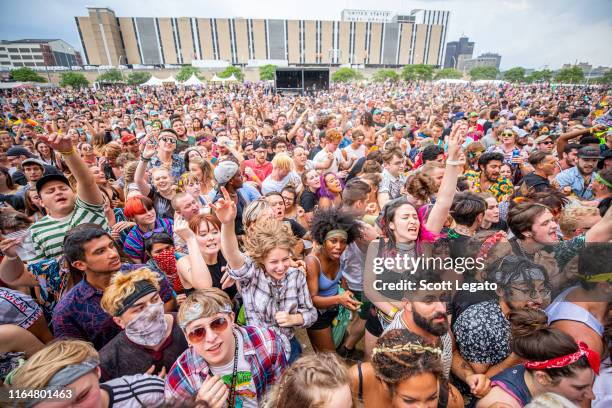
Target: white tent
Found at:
231, 78
153, 81
193, 80
490, 81
451, 81
170, 79
215, 78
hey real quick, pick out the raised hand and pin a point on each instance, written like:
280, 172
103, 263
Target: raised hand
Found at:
149, 150
56, 141
225, 208
181, 228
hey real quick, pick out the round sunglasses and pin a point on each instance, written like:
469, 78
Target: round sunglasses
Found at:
198, 335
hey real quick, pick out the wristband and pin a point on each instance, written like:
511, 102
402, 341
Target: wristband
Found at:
454, 162
144, 159
68, 152
393, 311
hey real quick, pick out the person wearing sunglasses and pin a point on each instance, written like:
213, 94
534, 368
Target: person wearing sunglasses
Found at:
139, 209
275, 293
225, 364
163, 154
150, 338
544, 143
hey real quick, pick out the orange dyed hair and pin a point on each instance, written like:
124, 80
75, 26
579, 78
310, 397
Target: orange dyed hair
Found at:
137, 205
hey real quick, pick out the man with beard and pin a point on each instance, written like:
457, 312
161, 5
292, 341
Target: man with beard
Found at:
570, 156
488, 178
579, 179
425, 314
482, 330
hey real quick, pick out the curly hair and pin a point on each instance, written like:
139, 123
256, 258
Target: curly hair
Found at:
421, 186
334, 219
400, 354
263, 237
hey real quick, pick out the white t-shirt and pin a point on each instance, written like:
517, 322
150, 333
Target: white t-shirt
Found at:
246, 393
270, 185
357, 154
322, 156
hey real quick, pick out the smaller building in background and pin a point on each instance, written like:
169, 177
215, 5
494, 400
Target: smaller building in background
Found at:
38, 53
483, 60
457, 52
589, 70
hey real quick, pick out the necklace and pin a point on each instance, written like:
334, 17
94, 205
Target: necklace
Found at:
231, 399
460, 229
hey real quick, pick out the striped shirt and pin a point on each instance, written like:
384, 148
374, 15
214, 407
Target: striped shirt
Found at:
135, 391
48, 233
134, 242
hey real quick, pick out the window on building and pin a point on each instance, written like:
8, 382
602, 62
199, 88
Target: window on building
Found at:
12, 50
28, 57
30, 64
24, 50
16, 56
2, 48
3, 55
18, 64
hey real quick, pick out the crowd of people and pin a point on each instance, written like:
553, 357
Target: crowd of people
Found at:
208, 246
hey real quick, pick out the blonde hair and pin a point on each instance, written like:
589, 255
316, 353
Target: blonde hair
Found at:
206, 302
187, 179
255, 211
43, 365
263, 237
112, 150
282, 161
123, 285
571, 217
309, 383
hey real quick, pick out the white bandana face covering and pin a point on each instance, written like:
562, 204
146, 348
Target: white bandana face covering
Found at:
149, 327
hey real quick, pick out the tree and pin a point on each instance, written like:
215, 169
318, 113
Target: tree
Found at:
479, 73
186, 72
266, 72
26, 74
570, 75
137, 78
73, 79
606, 78
345, 74
418, 72
383, 75
516, 74
227, 72
112, 75
544, 75
448, 73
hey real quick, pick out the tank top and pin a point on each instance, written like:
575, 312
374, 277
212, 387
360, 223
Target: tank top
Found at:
328, 287
512, 380
560, 309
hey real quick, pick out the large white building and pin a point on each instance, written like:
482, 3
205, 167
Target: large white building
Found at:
38, 53
367, 16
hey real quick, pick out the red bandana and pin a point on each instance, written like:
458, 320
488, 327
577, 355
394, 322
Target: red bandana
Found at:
563, 361
166, 262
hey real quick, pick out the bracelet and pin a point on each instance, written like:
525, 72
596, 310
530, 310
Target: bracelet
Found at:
454, 162
144, 159
393, 311
68, 152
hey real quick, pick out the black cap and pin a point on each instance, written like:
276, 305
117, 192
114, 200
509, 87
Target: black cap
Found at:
607, 154
50, 177
18, 151
260, 143
589, 152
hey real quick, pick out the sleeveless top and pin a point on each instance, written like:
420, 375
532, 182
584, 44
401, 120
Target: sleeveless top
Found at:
512, 380
560, 309
328, 287
447, 343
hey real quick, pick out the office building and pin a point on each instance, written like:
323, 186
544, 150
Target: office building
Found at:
111, 40
457, 52
38, 53
367, 16
483, 60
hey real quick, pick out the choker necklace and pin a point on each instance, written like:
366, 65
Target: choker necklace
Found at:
405, 246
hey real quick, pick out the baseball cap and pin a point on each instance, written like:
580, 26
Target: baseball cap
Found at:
589, 152
259, 143
376, 112
18, 151
128, 138
605, 155
33, 160
542, 138
50, 177
398, 126
473, 115
225, 171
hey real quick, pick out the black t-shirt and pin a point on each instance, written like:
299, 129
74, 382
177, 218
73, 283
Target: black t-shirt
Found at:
314, 152
216, 274
163, 206
120, 356
296, 228
308, 200
536, 182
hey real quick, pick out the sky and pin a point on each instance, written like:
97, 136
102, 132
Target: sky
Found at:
528, 33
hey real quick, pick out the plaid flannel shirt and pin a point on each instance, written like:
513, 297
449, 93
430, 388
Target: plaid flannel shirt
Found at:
263, 298
262, 350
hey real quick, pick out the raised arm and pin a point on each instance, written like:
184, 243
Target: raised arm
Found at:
448, 187
141, 170
87, 189
195, 271
225, 209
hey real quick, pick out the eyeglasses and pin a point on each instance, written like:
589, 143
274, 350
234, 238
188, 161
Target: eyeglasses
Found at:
547, 143
198, 335
168, 140
532, 293
149, 234
507, 134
